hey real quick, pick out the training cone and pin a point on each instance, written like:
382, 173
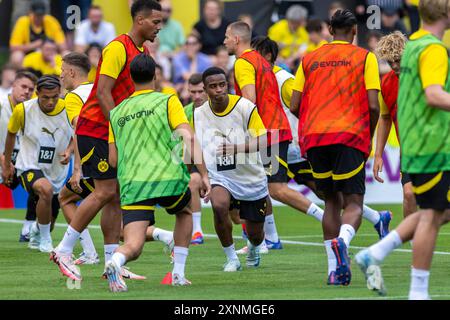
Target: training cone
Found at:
167, 280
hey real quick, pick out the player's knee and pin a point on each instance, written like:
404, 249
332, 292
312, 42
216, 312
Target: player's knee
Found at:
221, 211
106, 195
409, 197
196, 182
44, 190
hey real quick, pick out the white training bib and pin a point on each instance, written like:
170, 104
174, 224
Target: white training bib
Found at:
83, 91
243, 174
44, 138
6, 110
294, 154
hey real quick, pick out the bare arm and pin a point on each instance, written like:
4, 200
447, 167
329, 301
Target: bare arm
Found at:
296, 100
8, 168
249, 92
437, 97
384, 127
105, 99
28, 47
112, 159
374, 110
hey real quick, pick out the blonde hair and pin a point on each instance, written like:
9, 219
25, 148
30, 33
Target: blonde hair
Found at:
390, 47
432, 11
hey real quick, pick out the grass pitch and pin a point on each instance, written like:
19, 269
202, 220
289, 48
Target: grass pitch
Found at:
296, 272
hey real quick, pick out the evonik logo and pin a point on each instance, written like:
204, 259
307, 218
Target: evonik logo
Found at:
146, 113
334, 64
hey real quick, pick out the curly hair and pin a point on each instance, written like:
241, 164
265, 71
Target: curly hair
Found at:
390, 47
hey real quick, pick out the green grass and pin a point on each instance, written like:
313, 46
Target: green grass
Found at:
296, 272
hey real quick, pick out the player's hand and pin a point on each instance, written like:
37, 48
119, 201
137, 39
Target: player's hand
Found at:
65, 157
205, 190
74, 181
7, 173
378, 167
226, 149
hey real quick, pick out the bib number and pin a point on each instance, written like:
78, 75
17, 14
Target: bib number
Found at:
226, 162
46, 154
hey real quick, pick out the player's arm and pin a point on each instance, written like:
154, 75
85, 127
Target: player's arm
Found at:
65, 156
246, 79
373, 87
112, 156
16, 123
384, 127
298, 86
114, 59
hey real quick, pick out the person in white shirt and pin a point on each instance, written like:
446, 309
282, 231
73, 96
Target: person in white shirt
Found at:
94, 30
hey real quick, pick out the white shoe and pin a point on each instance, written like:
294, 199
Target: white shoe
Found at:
87, 259
35, 237
253, 258
263, 249
177, 280
115, 280
66, 265
46, 245
168, 246
232, 266
127, 274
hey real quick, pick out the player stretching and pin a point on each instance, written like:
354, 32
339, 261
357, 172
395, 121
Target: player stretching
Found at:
390, 49
338, 88
46, 133
255, 81
142, 147
424, 127
230, 131
198, 97
22, 90
112, 85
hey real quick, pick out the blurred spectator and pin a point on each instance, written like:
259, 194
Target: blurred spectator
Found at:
212, 27
22, 8
284, 5
94, 53
248, 20
290, 33
413, 14
231, 80
315, 28
8, 76
94, 30
372, 40
47, 61
223, 60
335, 6
161, 83
171, 36
390, 21
161, 59
30, 32
189, 61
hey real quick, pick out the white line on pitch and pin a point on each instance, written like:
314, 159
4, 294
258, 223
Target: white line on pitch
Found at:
302, 243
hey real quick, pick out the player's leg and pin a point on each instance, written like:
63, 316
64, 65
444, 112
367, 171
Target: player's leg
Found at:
67, 201
194, 185
409, 198
135, 223
220, 201
111, 225
30, 219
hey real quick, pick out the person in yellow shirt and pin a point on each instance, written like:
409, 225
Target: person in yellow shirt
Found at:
290, 33
30, 31
47, 61
315, 28
94, 53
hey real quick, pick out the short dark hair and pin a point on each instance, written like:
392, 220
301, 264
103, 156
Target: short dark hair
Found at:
48, 82
212, 72
314, 25
48, 40
195, 79
95, 7
241, 29
265, 45
93, 45
9, 66
144, 5
142, 68
79, 60
343, 20
26, 74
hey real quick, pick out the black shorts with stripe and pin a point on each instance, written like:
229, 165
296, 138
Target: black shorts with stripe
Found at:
432, 190
145, 210
338, 168
405, 178
301, 172
87, 186
94, 158
254, 211
274, 159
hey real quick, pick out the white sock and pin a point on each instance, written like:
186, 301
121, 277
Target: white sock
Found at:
162, 235
109, 251
331, 257
315, 211
230, 252
372, 215
419, 284
347, 233
270, 229
45, 231
196, 220
382, 248
26, 227
119, 259
179, 260
68, 242
86, 243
